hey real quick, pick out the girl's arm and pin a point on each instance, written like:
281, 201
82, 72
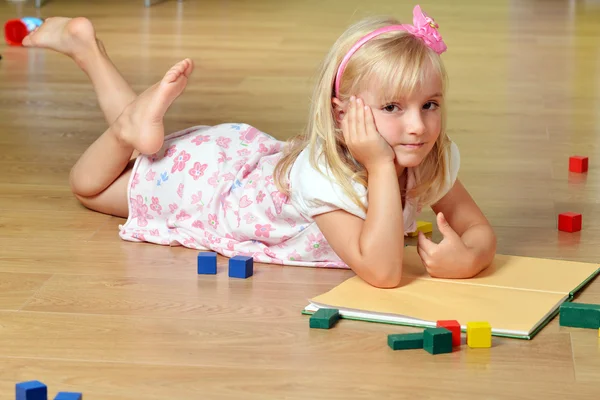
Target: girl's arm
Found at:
469, 243
373, 247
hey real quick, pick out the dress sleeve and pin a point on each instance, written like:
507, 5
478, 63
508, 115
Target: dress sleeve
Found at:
314, 193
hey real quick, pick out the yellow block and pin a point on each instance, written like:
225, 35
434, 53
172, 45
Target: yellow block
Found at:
479, 334
423, 226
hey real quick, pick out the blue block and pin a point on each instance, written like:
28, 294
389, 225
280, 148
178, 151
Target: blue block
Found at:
241, 267
68, 396
207, 263
31, 390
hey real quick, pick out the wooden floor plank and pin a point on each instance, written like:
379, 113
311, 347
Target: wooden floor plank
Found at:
82, 310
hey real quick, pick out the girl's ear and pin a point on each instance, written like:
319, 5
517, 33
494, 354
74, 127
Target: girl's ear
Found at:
339, 110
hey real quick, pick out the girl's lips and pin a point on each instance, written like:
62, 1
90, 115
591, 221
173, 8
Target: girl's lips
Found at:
413, 145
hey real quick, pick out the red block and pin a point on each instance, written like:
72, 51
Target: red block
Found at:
578, 164
454, 327
569, 222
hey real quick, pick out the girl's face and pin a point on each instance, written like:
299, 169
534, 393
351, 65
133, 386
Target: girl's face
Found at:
411, 125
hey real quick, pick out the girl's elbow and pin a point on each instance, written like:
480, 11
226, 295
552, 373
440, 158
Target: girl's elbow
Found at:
387, 278
386, 283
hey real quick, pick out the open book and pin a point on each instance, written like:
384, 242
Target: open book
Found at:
518, 296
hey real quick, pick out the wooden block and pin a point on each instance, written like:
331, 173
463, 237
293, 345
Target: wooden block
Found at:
454, 327
569, 222
422, 226
479, 334
31, 390
578, 164
324, 318
437, 340
406, 341
68, 396
579, 315
207, 262
241, 267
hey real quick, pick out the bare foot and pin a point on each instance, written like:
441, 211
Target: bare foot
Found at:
141, 123
70, 36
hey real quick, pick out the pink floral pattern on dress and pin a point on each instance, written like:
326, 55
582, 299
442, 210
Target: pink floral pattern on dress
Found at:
317, 244
198, 170
155, 206
139, 211
170, 151
150, 175
179, 161
263, 230
135, 181
248, 135
198, 140
224, 142
213, 220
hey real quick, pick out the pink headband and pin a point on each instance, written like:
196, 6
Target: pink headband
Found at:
424, 28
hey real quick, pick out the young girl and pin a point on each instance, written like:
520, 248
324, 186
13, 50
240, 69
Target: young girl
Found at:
342, 194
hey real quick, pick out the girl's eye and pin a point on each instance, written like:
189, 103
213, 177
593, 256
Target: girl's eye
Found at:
431, 105
390, 108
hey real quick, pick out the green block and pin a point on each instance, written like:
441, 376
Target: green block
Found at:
580, 315
406, 341
324, 318
437, 340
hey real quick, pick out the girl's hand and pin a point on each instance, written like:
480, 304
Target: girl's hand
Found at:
366, 145
451, 258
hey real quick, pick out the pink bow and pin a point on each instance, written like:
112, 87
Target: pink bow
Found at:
426, 28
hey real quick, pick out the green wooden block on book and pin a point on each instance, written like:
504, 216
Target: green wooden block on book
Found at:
324, 318
405, 341
437, 340
580, 315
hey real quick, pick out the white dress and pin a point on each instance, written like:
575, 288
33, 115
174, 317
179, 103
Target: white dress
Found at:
212, 188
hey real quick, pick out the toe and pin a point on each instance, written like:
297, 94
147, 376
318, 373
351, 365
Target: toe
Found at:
189, 67
27, 40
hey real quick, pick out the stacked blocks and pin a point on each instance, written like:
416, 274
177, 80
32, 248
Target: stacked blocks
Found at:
207, 263
422, 226
454, 327
405, 341
324, 318
580, 315
569, 222
578, 164
479, 334
437, 340
68, 396
241, 267
31, 390
36, 390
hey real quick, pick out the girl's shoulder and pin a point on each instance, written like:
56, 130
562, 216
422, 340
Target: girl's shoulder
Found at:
315, 190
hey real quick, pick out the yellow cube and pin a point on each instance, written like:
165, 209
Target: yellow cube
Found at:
479, 334
422, 226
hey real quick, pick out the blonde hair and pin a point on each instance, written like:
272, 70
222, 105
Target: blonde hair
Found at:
398, 59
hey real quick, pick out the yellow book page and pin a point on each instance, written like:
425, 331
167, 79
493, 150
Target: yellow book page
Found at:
516, 272
506, 309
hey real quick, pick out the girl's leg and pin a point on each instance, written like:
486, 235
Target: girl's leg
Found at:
76, 38
100, 177
97, 178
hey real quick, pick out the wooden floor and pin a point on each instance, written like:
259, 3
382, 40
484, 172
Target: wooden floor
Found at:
84, 311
